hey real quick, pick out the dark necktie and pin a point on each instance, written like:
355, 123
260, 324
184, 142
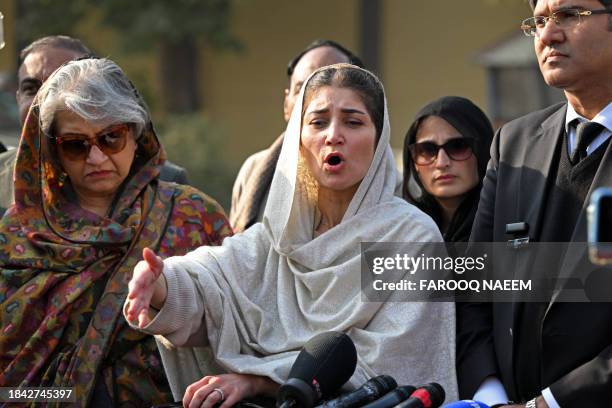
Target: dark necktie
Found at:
585, 133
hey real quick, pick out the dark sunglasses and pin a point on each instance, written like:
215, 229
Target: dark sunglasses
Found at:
458, 149
111, 140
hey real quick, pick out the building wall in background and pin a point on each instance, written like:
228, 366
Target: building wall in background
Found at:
429, 50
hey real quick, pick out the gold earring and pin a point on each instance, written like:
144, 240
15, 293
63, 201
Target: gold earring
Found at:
62, 179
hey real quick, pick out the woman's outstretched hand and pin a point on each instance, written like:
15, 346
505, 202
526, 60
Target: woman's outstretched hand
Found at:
146, 288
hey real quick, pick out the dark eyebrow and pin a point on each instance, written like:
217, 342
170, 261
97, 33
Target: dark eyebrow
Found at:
345, 110
563, 8
349, 110
318, 111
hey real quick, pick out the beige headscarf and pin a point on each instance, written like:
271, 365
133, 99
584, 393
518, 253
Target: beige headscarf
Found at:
253, 302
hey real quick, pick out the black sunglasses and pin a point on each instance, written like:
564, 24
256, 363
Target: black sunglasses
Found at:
458, 149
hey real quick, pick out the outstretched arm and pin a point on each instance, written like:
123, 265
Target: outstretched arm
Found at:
147, 288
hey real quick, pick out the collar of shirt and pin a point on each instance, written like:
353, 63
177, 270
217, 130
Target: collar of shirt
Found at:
603, 118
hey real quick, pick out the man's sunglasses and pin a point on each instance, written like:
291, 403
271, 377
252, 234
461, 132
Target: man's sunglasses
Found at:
458, 149
110, 141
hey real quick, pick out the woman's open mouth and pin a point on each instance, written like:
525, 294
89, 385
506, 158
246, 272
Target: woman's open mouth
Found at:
333, 162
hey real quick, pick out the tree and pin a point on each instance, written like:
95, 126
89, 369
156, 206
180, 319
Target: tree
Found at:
39, 18
174, 27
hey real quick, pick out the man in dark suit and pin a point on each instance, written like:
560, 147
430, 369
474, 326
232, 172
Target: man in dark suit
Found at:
543, 169
36, 62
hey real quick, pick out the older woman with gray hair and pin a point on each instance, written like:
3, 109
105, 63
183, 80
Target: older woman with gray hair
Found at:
88, 200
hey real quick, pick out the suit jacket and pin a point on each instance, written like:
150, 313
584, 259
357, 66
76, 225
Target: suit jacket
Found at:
252, 185
575, 346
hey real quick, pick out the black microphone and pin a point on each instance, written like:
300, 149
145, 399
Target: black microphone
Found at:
324, 364
392, 398
371, 390
430, 395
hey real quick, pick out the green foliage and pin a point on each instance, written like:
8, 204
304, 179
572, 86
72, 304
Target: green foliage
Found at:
39, 18
147, 21
141, 22
192, 142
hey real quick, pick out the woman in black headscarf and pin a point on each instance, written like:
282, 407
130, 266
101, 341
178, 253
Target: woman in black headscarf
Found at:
446, 151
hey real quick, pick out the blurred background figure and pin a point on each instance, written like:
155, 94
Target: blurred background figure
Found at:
252, 184
37, 61
446, 151
88, 200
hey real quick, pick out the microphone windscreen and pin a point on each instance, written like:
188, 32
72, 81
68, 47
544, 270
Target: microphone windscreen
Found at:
431, 394
466, 404
327, 361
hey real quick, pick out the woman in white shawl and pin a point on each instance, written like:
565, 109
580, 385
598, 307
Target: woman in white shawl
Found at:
252, 303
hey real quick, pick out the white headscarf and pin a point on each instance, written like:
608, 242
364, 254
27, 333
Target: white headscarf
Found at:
253, 302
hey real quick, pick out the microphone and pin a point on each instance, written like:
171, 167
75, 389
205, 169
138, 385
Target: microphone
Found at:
430, 395
371, 390
392, 398
324, 364
466, 404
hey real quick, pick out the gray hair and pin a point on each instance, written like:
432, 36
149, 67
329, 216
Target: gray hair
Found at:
95, 89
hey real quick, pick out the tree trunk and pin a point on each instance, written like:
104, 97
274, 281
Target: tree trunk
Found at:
179, 75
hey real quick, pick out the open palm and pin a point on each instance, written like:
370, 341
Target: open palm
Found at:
144, 287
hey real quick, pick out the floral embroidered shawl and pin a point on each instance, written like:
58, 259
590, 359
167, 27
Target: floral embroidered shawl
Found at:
64, 274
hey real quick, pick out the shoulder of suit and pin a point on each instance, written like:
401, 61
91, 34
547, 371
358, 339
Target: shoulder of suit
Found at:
533, 119
255, 158
249, 164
